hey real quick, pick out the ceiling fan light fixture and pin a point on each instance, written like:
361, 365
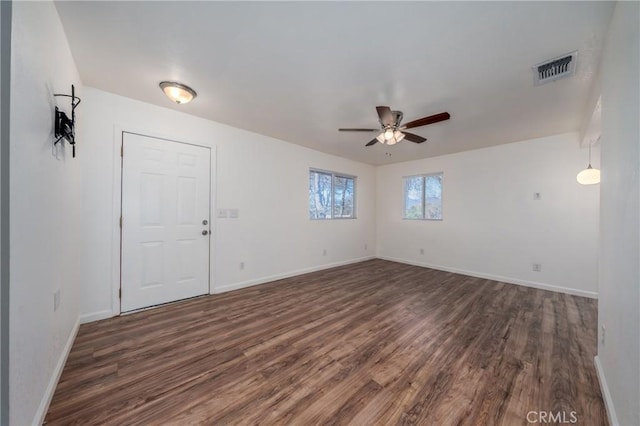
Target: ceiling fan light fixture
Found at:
398, 135
390, 123
178, 92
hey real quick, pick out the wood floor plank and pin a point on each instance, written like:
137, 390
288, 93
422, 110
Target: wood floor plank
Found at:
375, 342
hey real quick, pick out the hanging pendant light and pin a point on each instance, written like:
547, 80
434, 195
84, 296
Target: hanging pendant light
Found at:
589, 176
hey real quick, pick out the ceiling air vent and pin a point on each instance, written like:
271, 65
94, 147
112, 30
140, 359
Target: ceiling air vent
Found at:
554, 69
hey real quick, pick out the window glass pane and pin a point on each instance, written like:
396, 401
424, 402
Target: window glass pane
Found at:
433, 196
343, 197
319, 195
413, 190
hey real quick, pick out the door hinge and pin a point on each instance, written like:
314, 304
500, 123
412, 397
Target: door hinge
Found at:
120, 221
122, 150
120, 294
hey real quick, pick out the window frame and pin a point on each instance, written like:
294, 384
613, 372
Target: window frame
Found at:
335, 175
424, 177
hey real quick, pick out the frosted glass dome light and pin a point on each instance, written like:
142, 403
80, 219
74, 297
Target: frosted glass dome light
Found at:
388, 134
588, 176
177, 92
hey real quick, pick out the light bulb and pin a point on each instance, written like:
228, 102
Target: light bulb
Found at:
388, 134
380, 138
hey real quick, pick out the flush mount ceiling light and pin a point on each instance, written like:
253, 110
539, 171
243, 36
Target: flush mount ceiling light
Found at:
589, 176
177, 92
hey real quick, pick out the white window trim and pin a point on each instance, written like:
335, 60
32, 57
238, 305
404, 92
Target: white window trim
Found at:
424, 201
355, 192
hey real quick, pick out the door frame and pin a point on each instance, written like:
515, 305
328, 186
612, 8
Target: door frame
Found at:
116, 236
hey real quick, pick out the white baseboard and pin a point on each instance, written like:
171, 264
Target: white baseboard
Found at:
96, 316
263, 280
55, 377
541, 286
608, 402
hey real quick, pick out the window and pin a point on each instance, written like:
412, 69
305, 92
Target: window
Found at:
331, 195
423, 197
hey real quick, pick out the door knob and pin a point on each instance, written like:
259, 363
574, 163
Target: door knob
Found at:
205, 232
205, 222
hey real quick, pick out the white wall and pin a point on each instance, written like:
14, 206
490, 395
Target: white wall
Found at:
5, 106
619, 286
492, 226
45, 211
266, 179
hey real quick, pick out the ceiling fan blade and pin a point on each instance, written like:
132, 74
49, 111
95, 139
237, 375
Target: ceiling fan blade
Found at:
386, 117
358, 130
436, 118
372, 142
414, 138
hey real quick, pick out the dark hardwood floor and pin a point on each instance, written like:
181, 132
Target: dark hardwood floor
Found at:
371, 343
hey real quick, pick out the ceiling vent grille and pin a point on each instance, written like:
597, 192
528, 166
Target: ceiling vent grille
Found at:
554, 69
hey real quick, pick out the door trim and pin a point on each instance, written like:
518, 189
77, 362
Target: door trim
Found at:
116, 237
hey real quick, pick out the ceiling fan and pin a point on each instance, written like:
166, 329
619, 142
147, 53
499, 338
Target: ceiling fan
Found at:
392, 132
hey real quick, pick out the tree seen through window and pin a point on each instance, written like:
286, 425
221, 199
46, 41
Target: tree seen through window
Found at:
331, 196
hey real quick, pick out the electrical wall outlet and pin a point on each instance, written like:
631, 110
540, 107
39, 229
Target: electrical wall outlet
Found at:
324, 252
241, 265
234, 213
365, 246
222, 213
421, 251
537, 267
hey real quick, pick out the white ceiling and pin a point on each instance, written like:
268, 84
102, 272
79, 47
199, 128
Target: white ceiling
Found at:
298, 71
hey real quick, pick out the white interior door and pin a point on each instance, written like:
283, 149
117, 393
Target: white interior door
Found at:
165, 221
